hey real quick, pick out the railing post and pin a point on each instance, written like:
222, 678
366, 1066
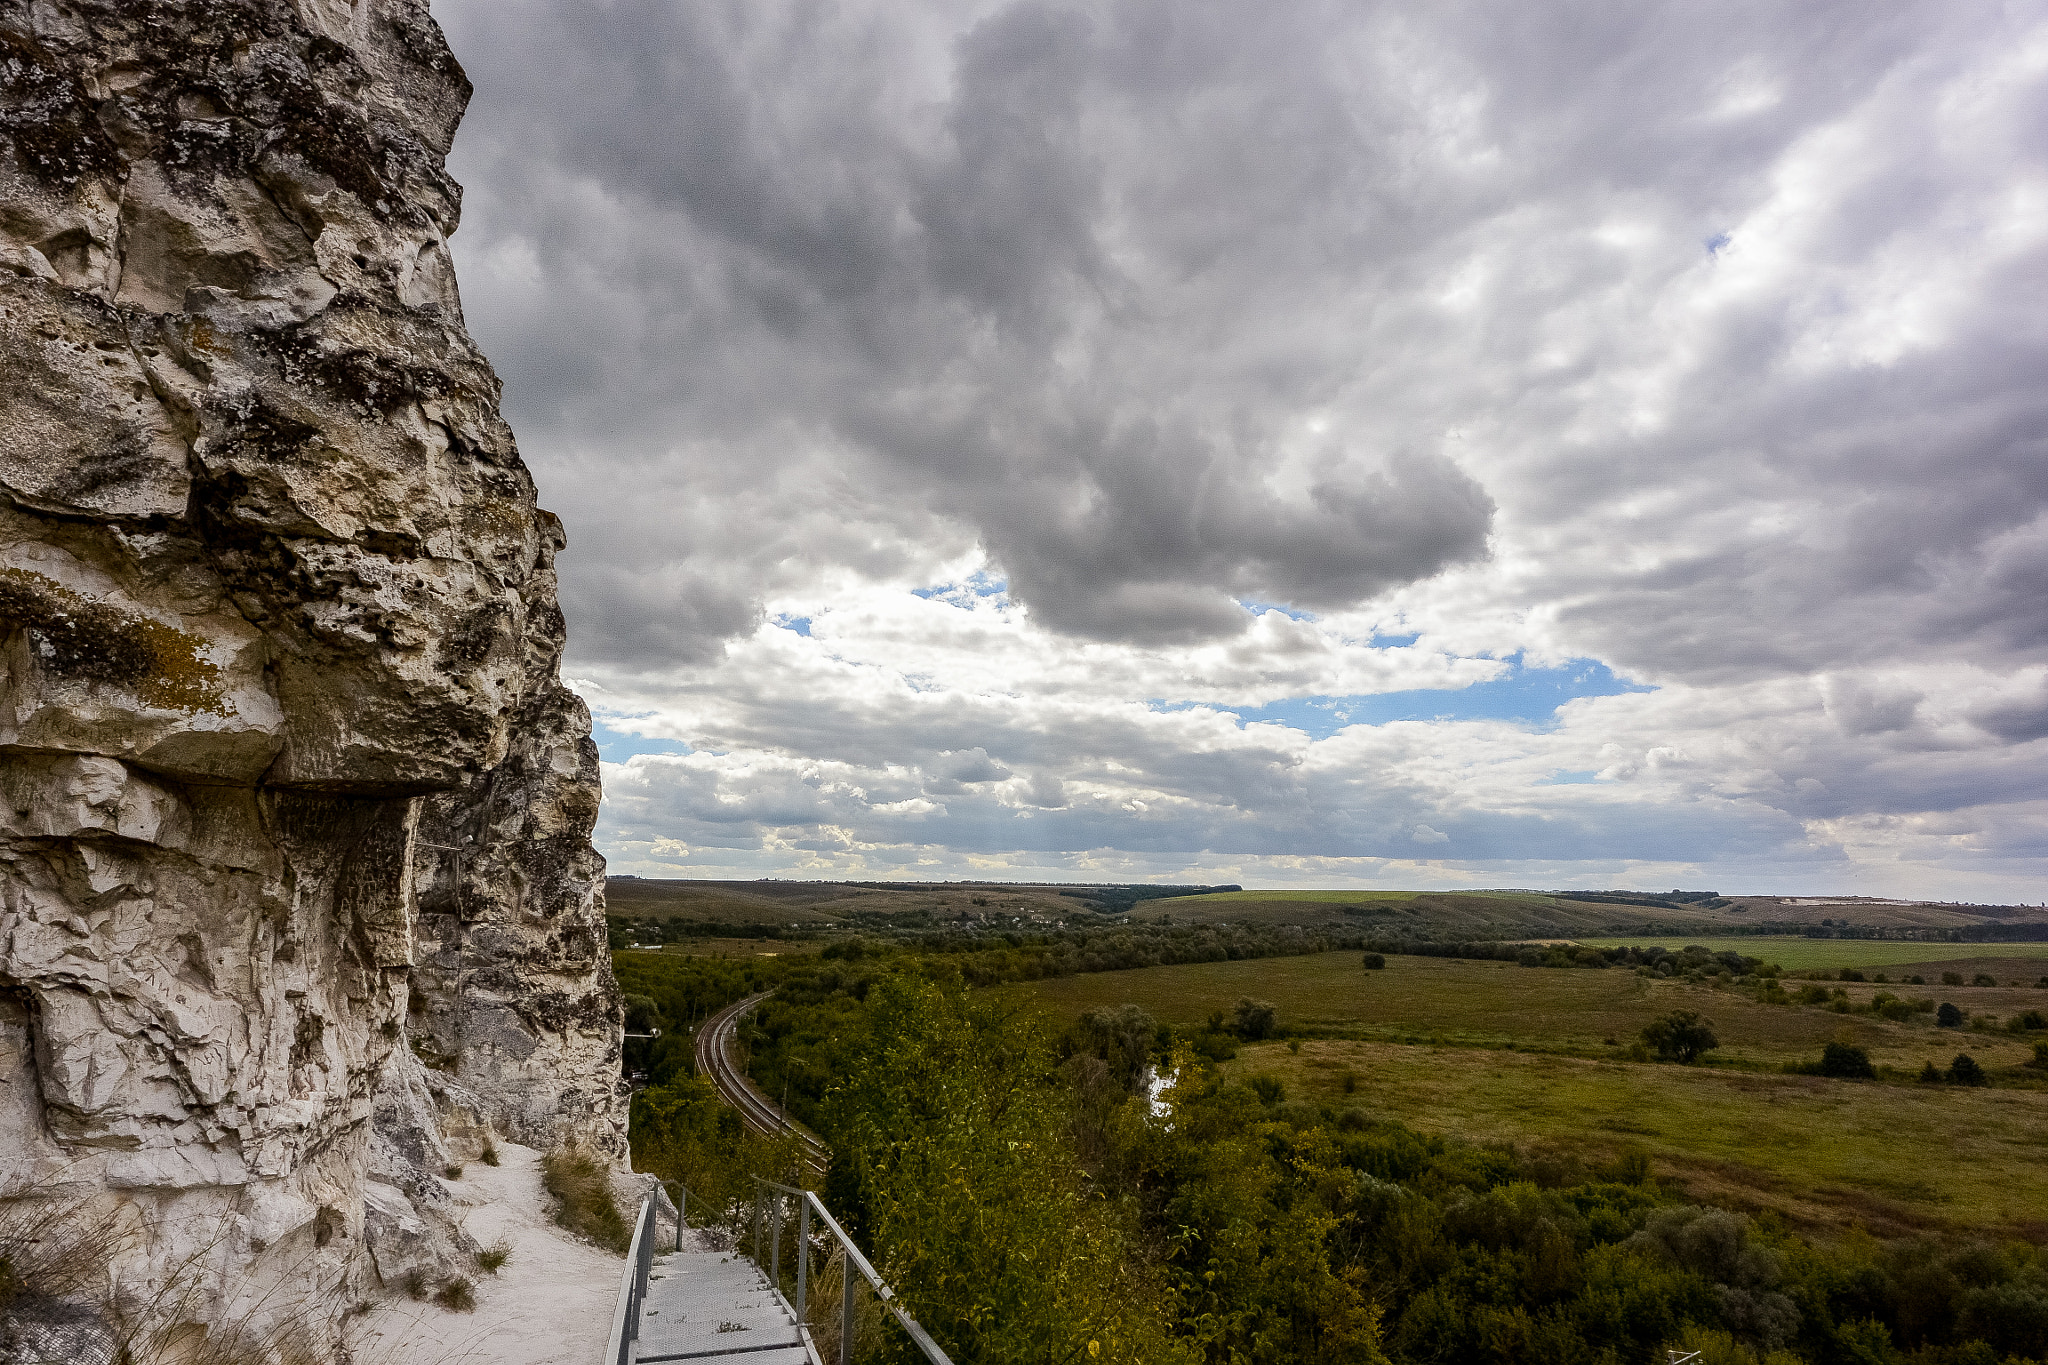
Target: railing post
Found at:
803, 1253
757, 1222
682, 1213
775, 1241
847, 1282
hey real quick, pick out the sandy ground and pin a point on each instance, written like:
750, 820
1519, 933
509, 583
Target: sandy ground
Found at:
552, 1303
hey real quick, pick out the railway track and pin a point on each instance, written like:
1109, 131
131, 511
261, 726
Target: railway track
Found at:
714, 1061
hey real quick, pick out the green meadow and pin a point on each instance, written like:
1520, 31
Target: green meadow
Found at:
1539, 1057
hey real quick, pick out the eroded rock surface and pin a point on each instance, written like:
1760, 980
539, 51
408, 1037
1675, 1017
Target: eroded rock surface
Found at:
285, 760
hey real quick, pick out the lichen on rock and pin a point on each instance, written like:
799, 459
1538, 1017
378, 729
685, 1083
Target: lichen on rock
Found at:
297, 895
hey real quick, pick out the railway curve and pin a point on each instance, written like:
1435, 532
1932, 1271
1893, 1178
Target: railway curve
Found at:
713, 1050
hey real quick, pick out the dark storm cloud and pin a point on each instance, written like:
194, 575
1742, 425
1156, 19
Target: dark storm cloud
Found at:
1705, 342
1012, 303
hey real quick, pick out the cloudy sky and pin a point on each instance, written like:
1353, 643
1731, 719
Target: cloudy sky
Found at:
1296, 444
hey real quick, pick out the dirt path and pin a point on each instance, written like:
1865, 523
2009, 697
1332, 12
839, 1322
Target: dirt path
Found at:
551, 1304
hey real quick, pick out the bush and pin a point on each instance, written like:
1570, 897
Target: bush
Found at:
1848, 974
1846, 1062
1268, 1089
1681, 1036
1948, 1016
1930, 1074
1965, 1071
582, 1188
1255, 1019
1375, 962
2040, 1057
2027, 1021
1951, 978
491, 1259
1983, 979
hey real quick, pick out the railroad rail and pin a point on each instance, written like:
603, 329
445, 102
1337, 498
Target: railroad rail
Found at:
761, 1114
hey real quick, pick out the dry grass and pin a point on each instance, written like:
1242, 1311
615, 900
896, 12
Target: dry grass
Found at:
584, 1204
491, 1259
458, 1295
54, 1259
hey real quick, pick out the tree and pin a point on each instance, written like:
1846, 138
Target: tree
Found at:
1681, 1036
1965, 1071
1255, 1020
951, 1122
1930, 1074
1375, 962
1123, 1038
1948, 1016
1846, 1062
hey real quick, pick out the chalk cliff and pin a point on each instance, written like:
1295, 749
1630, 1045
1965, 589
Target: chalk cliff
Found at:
296, 884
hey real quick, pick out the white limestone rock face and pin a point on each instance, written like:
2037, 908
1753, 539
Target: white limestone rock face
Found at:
280, 707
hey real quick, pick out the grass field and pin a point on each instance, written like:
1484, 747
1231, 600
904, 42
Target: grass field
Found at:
1492, 1051
1495, 1004
1823, 1153
1803, 954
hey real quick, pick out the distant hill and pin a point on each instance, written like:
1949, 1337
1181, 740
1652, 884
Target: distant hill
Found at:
1418, 914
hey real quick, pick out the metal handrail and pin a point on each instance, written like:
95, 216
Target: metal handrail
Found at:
639, 1261
807, 1204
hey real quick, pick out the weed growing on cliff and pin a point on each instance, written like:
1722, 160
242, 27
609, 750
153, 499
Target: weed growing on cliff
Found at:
582, 1187
489, 1155
457, 1296
491, 1259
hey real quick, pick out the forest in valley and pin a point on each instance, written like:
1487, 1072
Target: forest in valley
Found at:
1033, 1196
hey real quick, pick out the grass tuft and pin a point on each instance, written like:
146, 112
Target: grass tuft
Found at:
489, 1155
452, 1171
457, 1296
582, 1187
491, 1259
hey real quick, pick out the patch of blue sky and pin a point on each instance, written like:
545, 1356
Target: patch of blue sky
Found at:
1261, 608
1526, 696
1570, 778
800, 624
616, 746
980, 583
1382, 640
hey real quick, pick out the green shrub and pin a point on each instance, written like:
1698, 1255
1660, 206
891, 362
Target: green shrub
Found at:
1951, 978
1681, 1036
2040, 1061
1375, 962
1948, 1016
2027, 1021
457, 1296
1965, 1071
1930, 1074
1254, 1019
1846, 1062
1983, 979
491, 1259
